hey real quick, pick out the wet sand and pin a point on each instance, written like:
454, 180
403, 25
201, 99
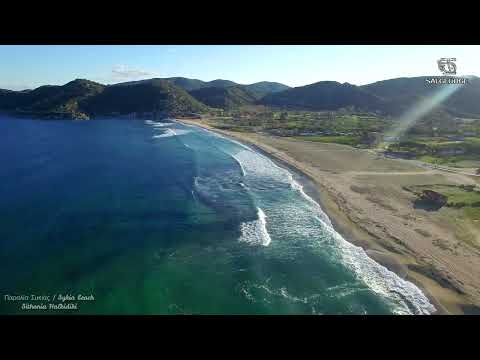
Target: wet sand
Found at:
363, 196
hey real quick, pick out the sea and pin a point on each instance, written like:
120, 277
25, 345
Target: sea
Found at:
119, 216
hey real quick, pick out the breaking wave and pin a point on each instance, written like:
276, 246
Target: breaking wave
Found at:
295, 216
255, 232
259, 170
171, 132
161, 125
158, 123
383, 281
242, 169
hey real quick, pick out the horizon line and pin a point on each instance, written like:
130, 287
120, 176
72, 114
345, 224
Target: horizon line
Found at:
236, 83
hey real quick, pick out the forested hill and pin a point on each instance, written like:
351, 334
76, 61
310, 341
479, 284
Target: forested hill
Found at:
179, 96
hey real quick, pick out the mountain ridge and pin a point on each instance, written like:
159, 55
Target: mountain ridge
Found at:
391, 96
258, 88
322, 95
84, 98
224, 97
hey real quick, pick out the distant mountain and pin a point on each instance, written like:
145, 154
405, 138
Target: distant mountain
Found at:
66, 99
187, 84
393, 96
403, 93
154, 95
220, 83
388, 89
84, 98
8, 99
466, 101
260, 89
323, 95
224, 98
219, 93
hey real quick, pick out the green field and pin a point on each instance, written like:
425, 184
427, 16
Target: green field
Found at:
458, 196
441, 151
346, 140
472, 213
437, 139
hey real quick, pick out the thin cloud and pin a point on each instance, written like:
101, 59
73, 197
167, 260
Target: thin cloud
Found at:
124, 72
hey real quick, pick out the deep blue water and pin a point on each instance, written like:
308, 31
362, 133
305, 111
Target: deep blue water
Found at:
163, 218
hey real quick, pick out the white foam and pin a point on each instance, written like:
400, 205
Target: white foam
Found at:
255, 232
383, 281
249, 161
407, 297
215, 134
240, 164
161, 125
171, 132
324, 217
167, 133
280, 293
404, 296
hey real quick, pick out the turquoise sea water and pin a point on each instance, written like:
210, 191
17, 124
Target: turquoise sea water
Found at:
163, 218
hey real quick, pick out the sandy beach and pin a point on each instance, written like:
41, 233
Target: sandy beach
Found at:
363, 194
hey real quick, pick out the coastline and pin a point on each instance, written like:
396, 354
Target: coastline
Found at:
312, 189
443, 298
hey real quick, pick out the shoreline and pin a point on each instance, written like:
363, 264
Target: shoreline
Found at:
385, 259
348, 229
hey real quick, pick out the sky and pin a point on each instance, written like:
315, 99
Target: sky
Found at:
27, 67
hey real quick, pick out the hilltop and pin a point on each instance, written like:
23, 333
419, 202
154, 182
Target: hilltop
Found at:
153, 96
81, 99
224, 97
323, 95
178, 95
392, 96
258, 89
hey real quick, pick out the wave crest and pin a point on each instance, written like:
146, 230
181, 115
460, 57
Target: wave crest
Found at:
171, 132
255, 232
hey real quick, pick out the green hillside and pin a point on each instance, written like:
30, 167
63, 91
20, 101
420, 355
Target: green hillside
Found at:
403, 93
260, 89
393, 96
54, 101
324, 95
83, 99
224, 98
220, 83
155, 95
187, 84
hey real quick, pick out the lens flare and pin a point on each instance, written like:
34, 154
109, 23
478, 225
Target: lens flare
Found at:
419, 110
